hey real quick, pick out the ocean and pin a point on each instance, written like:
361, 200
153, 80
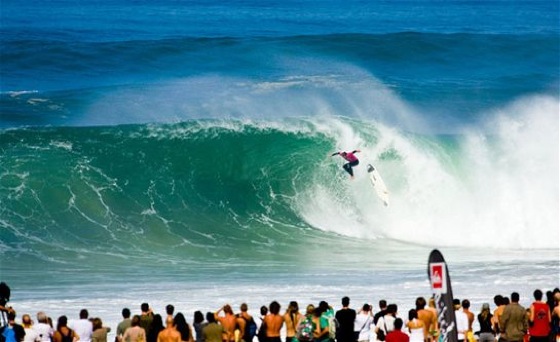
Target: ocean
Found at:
178, 152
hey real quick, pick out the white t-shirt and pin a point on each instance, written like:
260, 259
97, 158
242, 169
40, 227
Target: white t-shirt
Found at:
83, 328
362, 324
462, 323
387, 320
30, 335
44, 331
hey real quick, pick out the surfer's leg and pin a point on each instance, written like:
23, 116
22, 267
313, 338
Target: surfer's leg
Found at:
348, 169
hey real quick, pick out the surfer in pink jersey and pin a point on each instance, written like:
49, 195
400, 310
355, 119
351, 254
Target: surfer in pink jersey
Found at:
351, 159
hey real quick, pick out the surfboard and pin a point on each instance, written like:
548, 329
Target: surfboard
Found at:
378, 184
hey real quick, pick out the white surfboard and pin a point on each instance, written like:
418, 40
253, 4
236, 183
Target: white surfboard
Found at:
378, 184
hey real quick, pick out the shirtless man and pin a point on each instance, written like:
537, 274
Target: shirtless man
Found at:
466, 304
500, 303
169, 334
228, 322
426, 316
274, 322
434, 331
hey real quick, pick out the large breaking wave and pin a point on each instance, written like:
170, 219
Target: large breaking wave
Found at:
250, 189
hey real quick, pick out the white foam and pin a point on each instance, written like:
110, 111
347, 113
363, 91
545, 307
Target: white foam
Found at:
498, 188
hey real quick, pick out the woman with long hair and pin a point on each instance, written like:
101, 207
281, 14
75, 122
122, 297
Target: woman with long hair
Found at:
99, 332
63, 333
198, 324
487, 333
183, 328
291, 318
155, 328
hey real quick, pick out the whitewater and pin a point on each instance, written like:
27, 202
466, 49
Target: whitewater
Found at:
172, 159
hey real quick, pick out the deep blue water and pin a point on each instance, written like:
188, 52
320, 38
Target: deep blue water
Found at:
189, 137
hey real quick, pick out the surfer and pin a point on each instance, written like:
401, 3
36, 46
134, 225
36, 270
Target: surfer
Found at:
350, 158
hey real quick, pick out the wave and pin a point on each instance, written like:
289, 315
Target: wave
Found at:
256, 189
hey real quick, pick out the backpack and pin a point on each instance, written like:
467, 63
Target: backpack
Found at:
250, 330
304, 329
9, 334
333, 325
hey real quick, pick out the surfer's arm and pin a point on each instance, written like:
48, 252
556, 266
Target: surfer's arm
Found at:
334, 154
355, 151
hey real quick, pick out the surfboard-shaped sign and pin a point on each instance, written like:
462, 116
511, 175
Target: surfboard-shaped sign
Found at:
378, 184
441, 287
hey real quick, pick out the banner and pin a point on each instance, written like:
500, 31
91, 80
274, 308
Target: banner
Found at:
441, 287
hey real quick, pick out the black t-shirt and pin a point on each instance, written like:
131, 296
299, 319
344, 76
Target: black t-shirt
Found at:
378, 315
345, 330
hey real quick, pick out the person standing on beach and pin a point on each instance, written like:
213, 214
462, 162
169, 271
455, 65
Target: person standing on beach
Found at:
12, 331
329, 315
345, 317
170, 311
291, 319
462, 321
273, 322
487, 333
321, 324
556, 318
169, 334
351, 159
362, 324
99, 331
124, 324
433, 330
466, 304
540, 318
198, 325
386, 323
43, 328
212, 332
228, 322
63, 333
155, 328
30, 333
499, 301
382, 311
415, 326
135, 333
513, 320
427, 316
83, 327
306, 327
262, 327
183, 328
396, 335
146, 317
